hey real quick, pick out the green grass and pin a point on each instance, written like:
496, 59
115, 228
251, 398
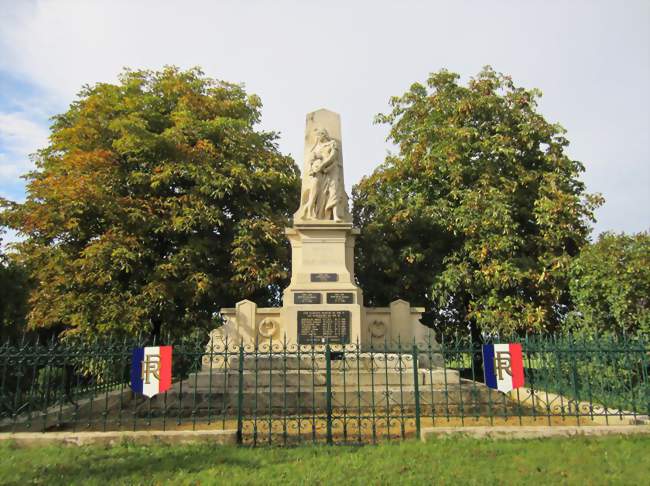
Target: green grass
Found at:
606, 460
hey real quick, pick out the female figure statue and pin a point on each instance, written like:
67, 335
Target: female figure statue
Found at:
326, 198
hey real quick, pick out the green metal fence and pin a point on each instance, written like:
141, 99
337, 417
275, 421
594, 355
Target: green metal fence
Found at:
280, 393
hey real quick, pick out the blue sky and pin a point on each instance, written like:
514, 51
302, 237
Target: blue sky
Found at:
591, 59
23, 129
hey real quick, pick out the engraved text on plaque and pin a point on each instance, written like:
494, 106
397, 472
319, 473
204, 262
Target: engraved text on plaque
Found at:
307, 298
340, 298
318, 327
324, 277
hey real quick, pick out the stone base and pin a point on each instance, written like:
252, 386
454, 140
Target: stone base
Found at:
377, 328
323, 295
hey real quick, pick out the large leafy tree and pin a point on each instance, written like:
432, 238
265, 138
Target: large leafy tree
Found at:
478, 214
156, 202
610, 285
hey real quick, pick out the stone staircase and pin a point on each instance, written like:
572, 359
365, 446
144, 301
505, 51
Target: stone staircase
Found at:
291, 384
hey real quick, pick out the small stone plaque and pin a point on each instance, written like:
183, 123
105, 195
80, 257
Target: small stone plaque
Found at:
318, 327
340, 298
307, 298
324, 277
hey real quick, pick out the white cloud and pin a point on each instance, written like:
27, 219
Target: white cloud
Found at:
19, 137
20, 134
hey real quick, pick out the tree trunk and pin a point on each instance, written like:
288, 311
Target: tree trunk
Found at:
156, 329
477, 355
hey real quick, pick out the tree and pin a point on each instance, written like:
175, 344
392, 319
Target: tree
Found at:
14, 289
610, 285
156, 202
479, 213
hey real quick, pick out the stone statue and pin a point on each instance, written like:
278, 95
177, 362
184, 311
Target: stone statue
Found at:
323, 195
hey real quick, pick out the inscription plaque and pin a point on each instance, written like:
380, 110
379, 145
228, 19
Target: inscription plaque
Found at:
307, 298
324, 277
340, 298
317, 327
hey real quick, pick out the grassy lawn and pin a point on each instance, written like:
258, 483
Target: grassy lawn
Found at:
607, 460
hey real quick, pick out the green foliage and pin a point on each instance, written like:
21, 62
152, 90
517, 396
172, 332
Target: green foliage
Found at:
600, 371
14, 290
610, 285
156, 202
479, 214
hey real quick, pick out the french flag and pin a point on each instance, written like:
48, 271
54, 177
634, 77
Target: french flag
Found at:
503, 365
151, 370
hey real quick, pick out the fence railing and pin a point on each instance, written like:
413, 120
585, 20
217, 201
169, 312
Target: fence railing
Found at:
281, 393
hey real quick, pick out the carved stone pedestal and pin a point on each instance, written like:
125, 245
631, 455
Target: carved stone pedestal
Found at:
322, 302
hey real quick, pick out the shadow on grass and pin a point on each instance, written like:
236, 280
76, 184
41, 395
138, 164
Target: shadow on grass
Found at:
128, 462
123, 462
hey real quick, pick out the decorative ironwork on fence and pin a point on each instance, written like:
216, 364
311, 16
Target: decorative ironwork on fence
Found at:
279, 393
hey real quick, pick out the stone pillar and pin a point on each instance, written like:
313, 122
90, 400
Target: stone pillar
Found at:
246, 316
400, 322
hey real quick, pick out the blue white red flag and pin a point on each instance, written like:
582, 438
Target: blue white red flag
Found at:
504, 366
151, 370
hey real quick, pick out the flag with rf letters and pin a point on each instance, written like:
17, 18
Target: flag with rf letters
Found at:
151, 370
503, 365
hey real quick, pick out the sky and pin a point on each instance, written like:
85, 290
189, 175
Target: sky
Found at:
591, 60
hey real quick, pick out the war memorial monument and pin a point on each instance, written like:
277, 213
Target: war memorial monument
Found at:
323, 303
323, 347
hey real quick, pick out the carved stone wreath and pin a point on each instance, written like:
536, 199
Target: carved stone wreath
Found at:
268, 327
377, 329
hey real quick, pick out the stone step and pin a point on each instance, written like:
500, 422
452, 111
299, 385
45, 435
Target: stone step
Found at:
316, 361
307, 406
362, 398
278, 379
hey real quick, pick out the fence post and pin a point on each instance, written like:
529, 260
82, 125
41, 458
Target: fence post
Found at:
240, 394
328, 382
416, 390
645, 366
573, 346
